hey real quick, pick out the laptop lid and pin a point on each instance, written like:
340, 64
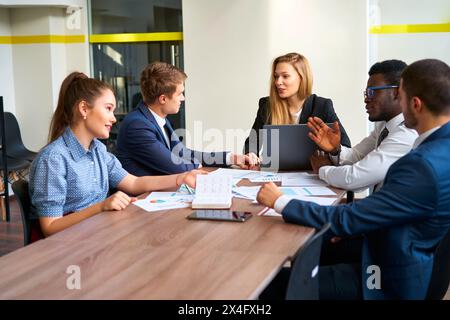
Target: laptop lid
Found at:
287, 147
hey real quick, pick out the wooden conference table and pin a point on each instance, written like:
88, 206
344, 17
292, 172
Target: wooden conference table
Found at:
134, 254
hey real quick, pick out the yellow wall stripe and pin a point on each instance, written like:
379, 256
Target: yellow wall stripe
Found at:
42, 39
410, 28
136, 37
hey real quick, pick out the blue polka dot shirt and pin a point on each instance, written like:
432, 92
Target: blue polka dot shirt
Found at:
65, 177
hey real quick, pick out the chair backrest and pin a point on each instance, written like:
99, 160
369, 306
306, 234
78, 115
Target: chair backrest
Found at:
304, 279
20, 188
440, 277
12, 133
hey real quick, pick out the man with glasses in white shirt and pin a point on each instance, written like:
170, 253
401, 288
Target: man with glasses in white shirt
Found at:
365, 165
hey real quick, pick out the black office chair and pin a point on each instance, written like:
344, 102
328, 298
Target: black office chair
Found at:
20, 188
301, 281
440, 277
304, 277
16, 148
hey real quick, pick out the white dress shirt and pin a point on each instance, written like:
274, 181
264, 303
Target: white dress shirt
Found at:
365, 164
423, 136
161, 123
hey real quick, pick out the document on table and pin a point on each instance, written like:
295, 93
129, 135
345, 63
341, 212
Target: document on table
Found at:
252, 175
235, 173
266, 177
156, 201
318, 200
307, 191
297, 179
246, 192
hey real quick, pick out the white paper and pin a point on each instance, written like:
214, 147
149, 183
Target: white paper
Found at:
247, 192
307, 191
235, 173
156, 201
297, 179
266, 178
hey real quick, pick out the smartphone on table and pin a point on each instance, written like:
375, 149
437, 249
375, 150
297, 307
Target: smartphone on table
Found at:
220, 215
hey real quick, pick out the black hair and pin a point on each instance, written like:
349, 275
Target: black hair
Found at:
429, 80
390, 69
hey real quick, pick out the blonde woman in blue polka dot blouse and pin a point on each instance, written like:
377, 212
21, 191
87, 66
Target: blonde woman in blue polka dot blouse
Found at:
71, 176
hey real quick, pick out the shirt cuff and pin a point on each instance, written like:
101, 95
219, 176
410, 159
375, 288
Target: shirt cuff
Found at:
228, 159
281, 202
323, 173
334, 159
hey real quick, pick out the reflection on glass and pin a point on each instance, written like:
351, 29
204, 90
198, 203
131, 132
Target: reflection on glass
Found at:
120, 65
136, 16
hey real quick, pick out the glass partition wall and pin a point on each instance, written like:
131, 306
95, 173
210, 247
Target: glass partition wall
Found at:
127, 35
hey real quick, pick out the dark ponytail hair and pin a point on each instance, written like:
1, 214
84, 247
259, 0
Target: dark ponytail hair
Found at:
75, 88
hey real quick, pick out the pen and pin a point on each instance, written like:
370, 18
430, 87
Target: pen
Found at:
191, 191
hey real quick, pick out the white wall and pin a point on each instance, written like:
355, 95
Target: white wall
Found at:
38, 69
226, 58
230, 44
6, 65
410, 46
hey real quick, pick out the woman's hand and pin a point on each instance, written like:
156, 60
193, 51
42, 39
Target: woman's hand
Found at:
118, 201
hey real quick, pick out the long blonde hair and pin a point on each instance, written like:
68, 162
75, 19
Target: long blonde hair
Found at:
279, 112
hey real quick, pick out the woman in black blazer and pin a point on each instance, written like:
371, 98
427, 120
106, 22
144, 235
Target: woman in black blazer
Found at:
291, 100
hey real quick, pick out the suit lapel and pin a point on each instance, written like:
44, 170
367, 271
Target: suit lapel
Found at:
144, 110
306, 111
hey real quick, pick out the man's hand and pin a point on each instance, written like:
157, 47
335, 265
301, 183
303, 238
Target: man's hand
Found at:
318, 160
117, 201
248, 161
268, 194
189, 177
328, 139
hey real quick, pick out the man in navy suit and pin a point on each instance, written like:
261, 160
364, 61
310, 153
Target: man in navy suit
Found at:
147, 143
404, 221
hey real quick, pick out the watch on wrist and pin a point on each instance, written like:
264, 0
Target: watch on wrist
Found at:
336, 152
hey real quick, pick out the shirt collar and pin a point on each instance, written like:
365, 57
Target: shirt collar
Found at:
395, 122
424, 136
160, 120
75, 148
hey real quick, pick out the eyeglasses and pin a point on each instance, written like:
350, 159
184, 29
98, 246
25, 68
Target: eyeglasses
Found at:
369, 93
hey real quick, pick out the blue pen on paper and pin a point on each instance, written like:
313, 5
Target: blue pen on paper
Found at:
307, 191
190, 190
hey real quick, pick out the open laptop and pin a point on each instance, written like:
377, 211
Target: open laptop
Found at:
287, 147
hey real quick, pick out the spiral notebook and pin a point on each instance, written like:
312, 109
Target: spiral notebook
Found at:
213, 192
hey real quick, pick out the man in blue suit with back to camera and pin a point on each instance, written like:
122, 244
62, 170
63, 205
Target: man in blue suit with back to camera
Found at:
404, 221
147, 143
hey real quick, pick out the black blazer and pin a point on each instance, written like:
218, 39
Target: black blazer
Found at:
314, 106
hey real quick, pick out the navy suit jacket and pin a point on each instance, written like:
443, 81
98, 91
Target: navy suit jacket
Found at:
402, 223
142, 149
